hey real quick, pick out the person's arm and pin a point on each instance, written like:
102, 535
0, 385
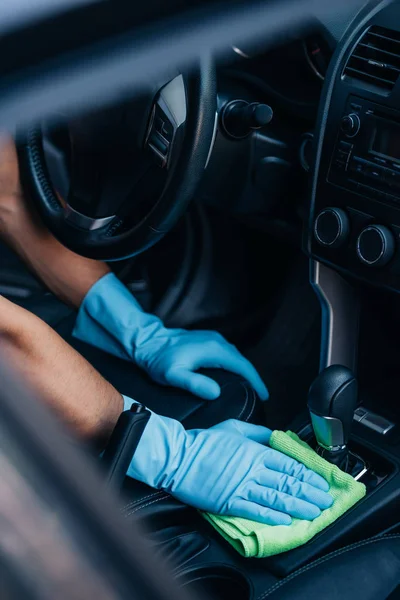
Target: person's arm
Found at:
109, 317
220, 470
62, 378
68, 275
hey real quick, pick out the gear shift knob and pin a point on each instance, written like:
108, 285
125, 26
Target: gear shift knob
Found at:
332, 400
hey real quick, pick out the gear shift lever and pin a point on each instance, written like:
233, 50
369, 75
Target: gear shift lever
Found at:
332, 400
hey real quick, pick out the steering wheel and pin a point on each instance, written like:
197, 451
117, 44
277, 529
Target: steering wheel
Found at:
132, 169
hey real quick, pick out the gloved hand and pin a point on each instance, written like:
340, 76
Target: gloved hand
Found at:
111, 319
226, 470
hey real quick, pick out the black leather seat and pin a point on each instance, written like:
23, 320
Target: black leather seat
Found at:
369, 570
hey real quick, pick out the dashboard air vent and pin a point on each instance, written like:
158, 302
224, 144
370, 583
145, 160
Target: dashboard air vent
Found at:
376, 58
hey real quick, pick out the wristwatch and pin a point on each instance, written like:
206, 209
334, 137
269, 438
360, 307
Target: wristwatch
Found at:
123, 442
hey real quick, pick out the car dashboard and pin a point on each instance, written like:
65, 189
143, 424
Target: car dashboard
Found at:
263, 179
357, 171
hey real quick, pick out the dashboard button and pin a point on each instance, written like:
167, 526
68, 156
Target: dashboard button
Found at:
376, 245
331, 227
381, 161
357, 165
350, 125
374, 172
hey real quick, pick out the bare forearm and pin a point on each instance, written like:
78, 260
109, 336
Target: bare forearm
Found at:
65, 273
62, 378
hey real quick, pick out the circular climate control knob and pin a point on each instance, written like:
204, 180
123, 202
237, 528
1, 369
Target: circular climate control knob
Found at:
376, 245
331, 227
350, 125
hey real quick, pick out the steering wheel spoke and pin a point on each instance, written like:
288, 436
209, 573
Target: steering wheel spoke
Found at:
167, 121
130, 178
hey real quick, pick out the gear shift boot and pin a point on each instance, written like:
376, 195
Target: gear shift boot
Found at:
347, 461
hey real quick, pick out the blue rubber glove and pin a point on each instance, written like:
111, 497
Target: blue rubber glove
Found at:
227, 470
111, 319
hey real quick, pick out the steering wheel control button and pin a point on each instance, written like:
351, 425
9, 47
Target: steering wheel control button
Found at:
167, 117
158, 123
350, 125
160, 136
376, 246
332, 227
159, 143
239, 118
162, 126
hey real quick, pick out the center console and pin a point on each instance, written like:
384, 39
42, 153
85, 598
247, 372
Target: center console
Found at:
353, 241
354, 222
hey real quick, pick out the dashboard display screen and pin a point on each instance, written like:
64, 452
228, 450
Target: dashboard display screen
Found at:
386, 141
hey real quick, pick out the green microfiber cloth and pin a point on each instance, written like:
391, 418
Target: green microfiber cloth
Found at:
252, 539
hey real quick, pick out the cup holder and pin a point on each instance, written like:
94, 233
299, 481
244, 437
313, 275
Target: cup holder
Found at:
217, 582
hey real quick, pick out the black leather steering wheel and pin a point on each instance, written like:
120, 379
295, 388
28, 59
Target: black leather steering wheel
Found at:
127, 190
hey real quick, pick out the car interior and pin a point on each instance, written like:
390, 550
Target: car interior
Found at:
256, 193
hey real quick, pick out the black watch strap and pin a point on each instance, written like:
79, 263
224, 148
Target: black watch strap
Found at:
123, 442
